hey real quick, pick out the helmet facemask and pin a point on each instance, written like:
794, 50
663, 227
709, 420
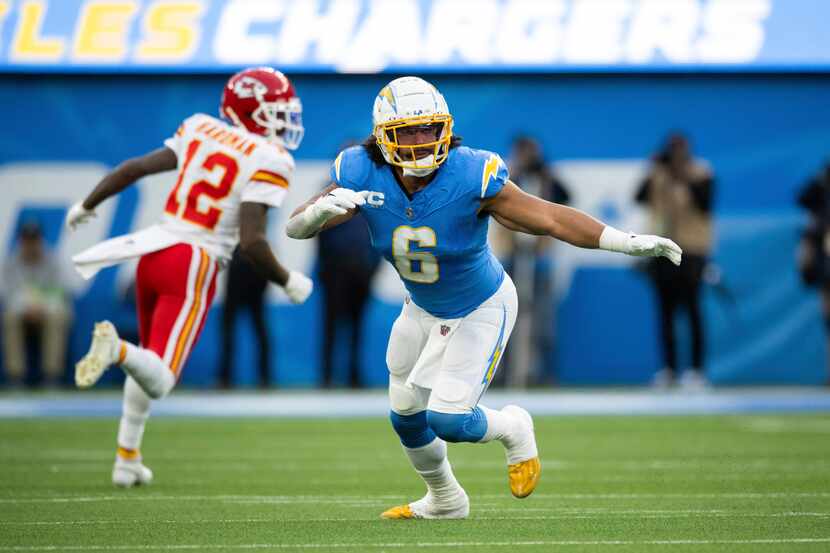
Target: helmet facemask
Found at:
410, 157
282, 120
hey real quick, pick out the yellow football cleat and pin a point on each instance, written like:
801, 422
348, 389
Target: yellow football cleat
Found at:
524, 477
454, 506
398, 513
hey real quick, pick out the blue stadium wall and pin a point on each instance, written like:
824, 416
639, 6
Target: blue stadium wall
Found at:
764, 135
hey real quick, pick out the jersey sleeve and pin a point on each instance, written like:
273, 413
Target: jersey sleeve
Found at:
174, 142
493, 175
268, 183
350, 168
177, 141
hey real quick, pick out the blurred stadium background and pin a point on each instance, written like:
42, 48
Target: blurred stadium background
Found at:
599, 83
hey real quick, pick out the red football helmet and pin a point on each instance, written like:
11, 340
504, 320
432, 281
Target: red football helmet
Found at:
263, 100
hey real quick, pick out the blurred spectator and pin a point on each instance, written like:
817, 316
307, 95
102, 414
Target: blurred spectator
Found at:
678, 192
814, 259
35, 293
528, 260
529, 170
245, 289
347, 265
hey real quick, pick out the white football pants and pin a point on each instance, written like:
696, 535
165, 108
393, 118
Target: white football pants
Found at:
446, 365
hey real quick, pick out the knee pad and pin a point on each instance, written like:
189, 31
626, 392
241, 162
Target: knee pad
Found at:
403, 399
412, 429
452, 395
450, 427
404, 347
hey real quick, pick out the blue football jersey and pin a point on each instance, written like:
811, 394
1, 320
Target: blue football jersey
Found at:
436, 240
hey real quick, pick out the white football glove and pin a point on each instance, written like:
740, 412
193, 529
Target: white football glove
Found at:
648, 245
337, 202
641, 245
299, 287
78, 215
311, 220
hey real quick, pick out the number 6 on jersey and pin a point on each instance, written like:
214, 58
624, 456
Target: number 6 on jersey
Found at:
415, 266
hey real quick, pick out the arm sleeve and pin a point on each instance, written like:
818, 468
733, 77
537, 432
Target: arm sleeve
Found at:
493, 176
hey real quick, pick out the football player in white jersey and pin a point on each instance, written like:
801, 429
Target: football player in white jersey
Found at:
228, 174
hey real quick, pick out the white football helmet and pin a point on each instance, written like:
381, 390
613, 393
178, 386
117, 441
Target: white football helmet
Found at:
412, 102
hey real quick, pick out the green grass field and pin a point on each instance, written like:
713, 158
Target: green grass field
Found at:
625, 484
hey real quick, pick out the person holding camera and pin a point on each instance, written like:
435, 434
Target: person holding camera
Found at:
678, 192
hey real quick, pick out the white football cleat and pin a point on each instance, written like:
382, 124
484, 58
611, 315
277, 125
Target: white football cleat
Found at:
103, 352
428, 508
523, 465
129, 473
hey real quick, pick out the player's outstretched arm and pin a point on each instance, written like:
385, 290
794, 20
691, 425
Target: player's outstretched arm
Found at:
157, 161
524, 212
329, 208
253, 245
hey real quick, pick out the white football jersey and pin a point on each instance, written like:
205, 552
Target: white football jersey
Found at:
219, 167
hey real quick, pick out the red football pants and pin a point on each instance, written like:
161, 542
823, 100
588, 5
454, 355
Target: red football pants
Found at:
174, 290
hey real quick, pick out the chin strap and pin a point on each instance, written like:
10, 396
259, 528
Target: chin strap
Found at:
420, 171
411, 171
407, 172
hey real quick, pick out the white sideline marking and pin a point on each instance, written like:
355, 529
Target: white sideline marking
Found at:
376, 403
397, 545
554, 516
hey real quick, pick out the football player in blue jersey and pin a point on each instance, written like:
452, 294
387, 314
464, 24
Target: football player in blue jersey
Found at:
428, 201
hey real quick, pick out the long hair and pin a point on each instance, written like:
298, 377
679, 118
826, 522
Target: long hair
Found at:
372, 148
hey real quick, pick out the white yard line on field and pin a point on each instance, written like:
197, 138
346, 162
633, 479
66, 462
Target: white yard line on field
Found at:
128, 522
371, 499
401, 545
670, 495
552, 516
224, 498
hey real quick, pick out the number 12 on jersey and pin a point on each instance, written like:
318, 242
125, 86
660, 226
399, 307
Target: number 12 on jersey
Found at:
416, 266
217, 191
